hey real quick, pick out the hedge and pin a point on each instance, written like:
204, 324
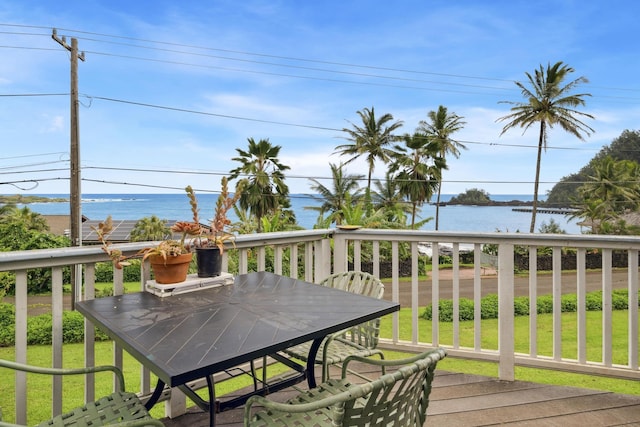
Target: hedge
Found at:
39, 327
489, 305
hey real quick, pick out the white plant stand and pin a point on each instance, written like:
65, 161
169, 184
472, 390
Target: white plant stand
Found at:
193, 283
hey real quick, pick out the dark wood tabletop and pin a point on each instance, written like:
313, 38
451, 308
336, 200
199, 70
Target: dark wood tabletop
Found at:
192, 335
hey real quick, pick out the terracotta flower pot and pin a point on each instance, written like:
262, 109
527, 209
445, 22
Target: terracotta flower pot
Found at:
172, 270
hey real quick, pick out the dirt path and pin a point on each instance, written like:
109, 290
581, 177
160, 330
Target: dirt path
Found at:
489, 282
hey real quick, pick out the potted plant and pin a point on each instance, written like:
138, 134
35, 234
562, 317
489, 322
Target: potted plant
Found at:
169, 259
209, 242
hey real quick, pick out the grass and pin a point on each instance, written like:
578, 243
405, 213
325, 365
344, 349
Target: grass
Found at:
489, 340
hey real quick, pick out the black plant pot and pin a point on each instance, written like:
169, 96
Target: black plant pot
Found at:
209, 262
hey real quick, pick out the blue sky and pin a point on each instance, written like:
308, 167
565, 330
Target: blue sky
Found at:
170, 89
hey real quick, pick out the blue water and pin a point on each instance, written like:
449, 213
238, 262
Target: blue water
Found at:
176, 207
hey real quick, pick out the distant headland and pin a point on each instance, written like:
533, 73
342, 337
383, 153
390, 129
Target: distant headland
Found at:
19, 199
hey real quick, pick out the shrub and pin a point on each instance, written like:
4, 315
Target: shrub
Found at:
39, 328
489, 305
131, 273
521, 306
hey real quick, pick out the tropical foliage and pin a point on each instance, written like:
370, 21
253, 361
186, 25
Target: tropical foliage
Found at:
418, 168
612, 192
624, 147
22, 229
372, 140
549, 102
439, 128
262, 178
473, 196
333, 199
150, 228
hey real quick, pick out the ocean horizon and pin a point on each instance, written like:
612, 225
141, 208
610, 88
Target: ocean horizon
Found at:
175, 206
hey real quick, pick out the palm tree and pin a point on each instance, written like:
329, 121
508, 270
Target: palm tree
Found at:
615, 182
440, 127
389, 198
419, 167
333, 199
29, 219
611, 191
548, 103
150, 228
264, 189
371, 140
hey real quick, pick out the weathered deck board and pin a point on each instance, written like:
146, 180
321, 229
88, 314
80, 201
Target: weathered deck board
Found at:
469, 400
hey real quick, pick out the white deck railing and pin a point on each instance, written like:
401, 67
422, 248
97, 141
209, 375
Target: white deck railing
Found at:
313, 254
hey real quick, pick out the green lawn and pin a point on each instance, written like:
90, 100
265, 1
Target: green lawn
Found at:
545, 347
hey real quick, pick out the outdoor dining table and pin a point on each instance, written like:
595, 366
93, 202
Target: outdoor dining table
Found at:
194, 335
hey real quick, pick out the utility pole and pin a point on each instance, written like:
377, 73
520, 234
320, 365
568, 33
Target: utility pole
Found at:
75, 190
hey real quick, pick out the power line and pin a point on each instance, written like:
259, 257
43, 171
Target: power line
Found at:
287, 58
34, 155
17, 95
226, 116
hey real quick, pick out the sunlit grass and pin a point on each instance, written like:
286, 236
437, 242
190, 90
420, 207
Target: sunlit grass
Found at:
489, 340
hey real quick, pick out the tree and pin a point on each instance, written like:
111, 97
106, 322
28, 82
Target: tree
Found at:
333, 199
371, 140
29, 219
418, 167
150, 228
548, 103
610, 192
473, 196
264, 189
440, 127
624, 147
389, 198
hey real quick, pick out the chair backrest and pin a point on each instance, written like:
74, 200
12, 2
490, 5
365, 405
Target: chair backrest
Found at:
399, 399
358, 282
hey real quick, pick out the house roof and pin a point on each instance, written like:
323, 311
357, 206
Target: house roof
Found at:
121, 230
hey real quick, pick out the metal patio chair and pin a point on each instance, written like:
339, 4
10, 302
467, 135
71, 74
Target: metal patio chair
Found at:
360, 340
120, 408
398, 399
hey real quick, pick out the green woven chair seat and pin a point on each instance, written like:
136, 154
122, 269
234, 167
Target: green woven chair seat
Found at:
398, 399
113, 409
120, 408
340, 350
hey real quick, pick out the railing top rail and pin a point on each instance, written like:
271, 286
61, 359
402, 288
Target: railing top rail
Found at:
533, 239
17, 260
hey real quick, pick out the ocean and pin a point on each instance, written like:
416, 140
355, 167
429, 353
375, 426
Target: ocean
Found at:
176, 207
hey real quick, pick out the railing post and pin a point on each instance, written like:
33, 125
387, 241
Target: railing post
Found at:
339, 252
506, 335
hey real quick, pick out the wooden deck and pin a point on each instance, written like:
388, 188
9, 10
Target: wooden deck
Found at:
470, 400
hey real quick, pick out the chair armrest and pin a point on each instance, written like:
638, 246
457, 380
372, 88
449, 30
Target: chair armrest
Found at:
437, 353
353, 392
61, 371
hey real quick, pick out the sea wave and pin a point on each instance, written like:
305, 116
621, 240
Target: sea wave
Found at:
110, 200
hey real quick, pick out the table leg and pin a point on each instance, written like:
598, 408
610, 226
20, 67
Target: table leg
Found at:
157, 392
212, 402
311, 362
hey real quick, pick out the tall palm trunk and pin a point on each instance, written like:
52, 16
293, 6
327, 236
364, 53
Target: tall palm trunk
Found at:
414, 208
438, 205
534, 207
